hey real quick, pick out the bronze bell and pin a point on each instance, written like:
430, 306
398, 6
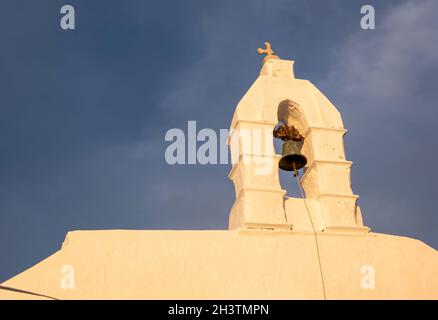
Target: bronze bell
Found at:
292, 159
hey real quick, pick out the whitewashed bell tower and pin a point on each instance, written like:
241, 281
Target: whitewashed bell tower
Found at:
261, 203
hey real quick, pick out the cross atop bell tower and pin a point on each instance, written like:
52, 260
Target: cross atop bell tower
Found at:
268, 51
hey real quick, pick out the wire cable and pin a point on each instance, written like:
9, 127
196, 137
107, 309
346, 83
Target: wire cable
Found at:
26, 292
314, 232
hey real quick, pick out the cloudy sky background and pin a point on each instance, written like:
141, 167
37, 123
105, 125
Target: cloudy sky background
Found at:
84, 112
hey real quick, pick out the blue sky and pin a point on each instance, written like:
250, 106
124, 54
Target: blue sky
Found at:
84, 112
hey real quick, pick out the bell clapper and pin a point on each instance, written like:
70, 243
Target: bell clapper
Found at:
295, 169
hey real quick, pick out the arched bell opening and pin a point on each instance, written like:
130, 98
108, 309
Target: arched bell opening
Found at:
288, 143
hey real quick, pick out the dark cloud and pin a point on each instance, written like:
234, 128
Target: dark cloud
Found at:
84, 113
